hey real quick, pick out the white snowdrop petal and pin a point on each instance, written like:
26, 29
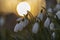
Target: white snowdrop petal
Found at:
58, 14
40, 16
25, 22
53, 34
18, 27
58, 6
51, 26
49, 10
21, 25
35, 28
19, 19
47, 22
2, 21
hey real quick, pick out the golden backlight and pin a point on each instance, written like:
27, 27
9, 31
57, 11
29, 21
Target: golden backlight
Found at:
22, 8
10, 6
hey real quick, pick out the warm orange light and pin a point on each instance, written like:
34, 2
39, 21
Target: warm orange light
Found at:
22, 8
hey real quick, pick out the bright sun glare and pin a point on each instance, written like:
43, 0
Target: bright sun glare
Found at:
22, 8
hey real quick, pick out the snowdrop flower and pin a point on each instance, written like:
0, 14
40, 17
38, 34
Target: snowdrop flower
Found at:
53, 35
57, 7
50, 11
47, 22
21, 25
2, 21
58, 14
18, 27
25, 22
35, 28
40, 16
51, 26
19, 19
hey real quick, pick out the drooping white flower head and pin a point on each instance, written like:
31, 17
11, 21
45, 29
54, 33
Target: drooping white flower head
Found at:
40, 16
47, 22
18, 27
53, 35
25, 22
49, 10
51, 26
58, 14
35, 28
57, 7
21, 25
19, 19
2, 21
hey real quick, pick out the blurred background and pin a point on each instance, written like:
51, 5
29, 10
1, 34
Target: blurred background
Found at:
8, 16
